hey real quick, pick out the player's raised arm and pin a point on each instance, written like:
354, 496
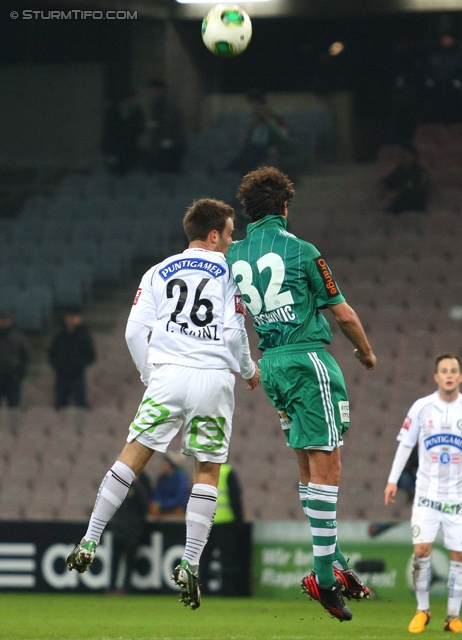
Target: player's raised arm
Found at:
350, 324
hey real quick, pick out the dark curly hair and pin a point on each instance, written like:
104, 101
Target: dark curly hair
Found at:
264, 192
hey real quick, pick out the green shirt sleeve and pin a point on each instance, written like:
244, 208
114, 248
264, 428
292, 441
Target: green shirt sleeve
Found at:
320, 279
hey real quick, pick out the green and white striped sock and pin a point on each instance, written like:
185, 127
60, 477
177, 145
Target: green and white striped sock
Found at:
339, 559
303, 492
321, 510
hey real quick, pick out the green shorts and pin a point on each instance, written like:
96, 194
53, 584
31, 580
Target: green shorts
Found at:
306, 386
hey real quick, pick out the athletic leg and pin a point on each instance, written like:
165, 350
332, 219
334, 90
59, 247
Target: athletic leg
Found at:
454, 593
111, 494
321, 505
421, 573
200, 513
303, 460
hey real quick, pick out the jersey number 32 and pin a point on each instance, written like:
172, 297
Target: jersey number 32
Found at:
273, 298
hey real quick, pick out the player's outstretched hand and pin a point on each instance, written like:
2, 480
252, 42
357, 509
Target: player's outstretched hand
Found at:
367, 359
390, 493
254, 381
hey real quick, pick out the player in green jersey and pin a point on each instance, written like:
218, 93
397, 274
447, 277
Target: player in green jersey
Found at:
284, 282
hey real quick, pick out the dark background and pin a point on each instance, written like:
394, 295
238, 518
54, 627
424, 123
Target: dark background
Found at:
286, 54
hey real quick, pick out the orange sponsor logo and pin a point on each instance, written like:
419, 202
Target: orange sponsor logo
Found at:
329, 282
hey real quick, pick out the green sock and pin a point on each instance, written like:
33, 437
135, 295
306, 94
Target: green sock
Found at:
303, 492
321, 510
339, 558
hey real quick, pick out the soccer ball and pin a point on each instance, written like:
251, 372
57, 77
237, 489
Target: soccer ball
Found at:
226, 30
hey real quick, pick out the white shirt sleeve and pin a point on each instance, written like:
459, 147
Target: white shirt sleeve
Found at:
401, 457
238, 343
409, 432
144, 309
234, 331
137, 337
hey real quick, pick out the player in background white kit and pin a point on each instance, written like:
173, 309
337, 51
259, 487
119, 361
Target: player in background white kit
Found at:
435, 423
186, 335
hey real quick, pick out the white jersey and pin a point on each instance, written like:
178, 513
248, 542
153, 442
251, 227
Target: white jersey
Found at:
188, 300
437, 427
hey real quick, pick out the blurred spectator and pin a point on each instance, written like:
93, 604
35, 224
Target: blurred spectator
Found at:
173, 488
229, 504
124, 126
225, 538
407, 479
263, 137
127, 526
442, 79
14, 358
406, 187
70, 352
166, 124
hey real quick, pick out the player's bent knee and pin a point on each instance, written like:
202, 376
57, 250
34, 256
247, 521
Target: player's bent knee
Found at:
422, 550
135, 455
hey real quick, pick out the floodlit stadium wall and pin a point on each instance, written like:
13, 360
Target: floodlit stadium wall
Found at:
282, 555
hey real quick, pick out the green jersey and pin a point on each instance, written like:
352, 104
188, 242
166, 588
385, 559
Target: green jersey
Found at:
284, 282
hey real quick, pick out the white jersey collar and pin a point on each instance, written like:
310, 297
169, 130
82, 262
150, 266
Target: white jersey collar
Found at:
442, 404
195, 249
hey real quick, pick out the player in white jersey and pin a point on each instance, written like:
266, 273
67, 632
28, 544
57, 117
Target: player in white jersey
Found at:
435, 423
186, 335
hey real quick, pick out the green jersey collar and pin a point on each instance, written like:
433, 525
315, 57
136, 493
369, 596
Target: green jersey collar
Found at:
269, 222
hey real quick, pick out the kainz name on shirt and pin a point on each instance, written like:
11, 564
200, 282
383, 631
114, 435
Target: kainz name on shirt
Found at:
189, 263
443, 438
283, 314
209, 332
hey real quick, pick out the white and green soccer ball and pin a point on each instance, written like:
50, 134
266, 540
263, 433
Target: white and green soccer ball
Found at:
226, 30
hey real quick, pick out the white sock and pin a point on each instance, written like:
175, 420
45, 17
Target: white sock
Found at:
454, 589
422, 576
200, 513
111, 494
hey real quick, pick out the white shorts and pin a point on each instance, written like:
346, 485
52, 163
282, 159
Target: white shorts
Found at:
426, 521
200, 400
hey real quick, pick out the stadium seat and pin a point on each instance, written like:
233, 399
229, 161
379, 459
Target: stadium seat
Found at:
8, 296
33, 308
68, 290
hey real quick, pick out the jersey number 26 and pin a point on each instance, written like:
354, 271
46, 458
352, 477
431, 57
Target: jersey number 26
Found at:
202, 304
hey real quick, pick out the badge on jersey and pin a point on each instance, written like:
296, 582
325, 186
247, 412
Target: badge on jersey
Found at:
239, 305
137, 297
407, 423
328, 280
